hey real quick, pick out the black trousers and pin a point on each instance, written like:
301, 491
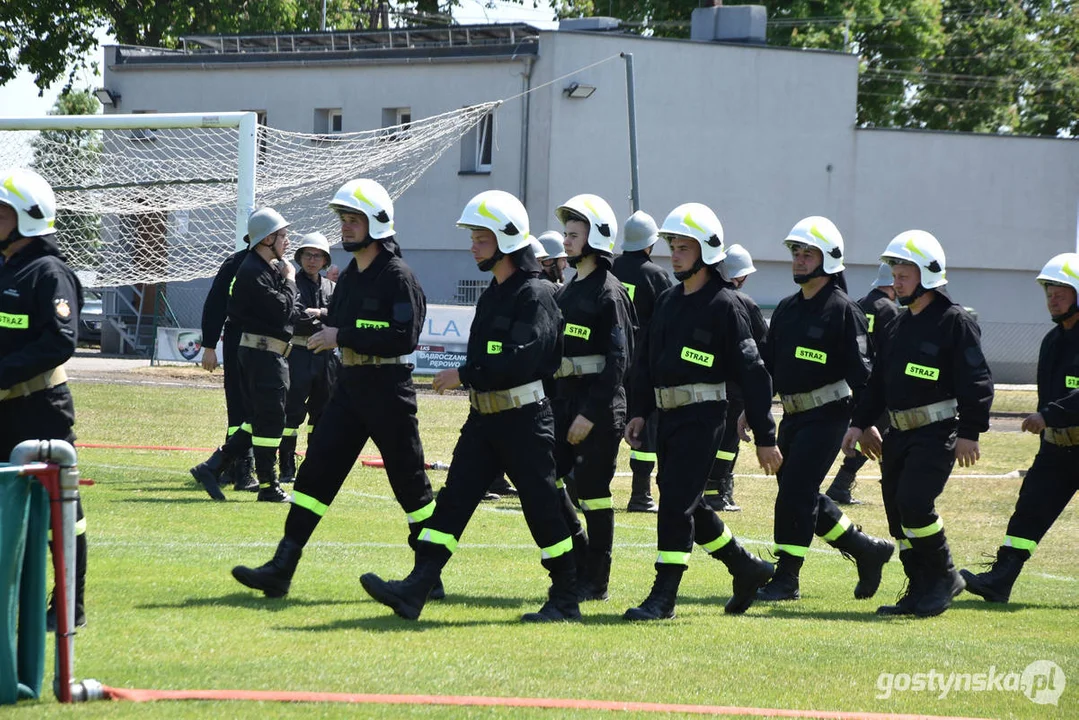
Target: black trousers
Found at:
1048, 487
727, 454
311, 378
646, 453
593, 460
234, 387
520, 443
265, 386
809, 442
367, 403
914, 468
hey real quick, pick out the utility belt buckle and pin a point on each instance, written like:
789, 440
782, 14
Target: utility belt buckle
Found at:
917, 417
1063, 437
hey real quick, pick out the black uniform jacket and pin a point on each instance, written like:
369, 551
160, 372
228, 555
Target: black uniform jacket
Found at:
599, 320
311, 295
816, 342
516, 335
880, 311
1058, 377
703, 337
758, 328
925, 358
378, 311
261, 300
40, 301
215, 309
644, 282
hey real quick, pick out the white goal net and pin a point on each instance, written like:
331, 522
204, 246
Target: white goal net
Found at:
158, 198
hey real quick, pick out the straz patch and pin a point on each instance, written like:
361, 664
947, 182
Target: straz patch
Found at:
1071, 382
697, 357
804, 353
578, 331
63, 310
923, 372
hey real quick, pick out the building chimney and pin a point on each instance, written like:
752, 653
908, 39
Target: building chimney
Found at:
734, 24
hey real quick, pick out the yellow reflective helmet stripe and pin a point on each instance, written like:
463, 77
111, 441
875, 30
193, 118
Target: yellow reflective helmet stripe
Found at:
439, 538
923, 532
1067, 270
358, 194
9, 184
482, 210
672, 557
418, 516
819, 235
309, 503
557, 550
909, 245
725, 537
689, 222
839, 529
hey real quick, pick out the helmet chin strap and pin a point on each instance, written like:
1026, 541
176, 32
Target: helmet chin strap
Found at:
687, 274
488, 264
357, 245
1072, 311
576, 260
907, 300
13, 237
803, 278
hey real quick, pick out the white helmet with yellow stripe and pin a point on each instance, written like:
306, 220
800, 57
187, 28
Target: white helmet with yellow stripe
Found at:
594, 210
698, 222
917, 247
821, 233
33, 201
370, 199
502, 214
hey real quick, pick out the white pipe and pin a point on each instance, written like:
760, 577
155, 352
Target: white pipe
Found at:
245, 186
155, 121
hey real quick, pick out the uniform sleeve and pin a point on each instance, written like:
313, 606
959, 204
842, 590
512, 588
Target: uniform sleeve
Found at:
642, 392
406, 321
535, 333
870, 402
744, 359
619, 326
757, 325
1062, 412
277, 300
856, 342
766, 348
215, 309
54, 321
973, 381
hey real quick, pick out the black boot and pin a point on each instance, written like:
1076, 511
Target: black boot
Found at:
943, 582
841, 488
208, 474
407, 597
713, 494
597, 576
80, 589
869, 554
659, 605
269, 489
995, 585
502, 487
640, 493
580, 553
244, 474
562, 595
438, 591
913, 589
286, 454
784, 583
726, 493
273, 578
748, 573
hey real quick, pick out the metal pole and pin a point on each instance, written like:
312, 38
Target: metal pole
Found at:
322, 25
635, 187
245, 186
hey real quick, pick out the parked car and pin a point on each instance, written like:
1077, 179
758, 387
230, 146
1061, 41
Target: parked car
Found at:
91, 318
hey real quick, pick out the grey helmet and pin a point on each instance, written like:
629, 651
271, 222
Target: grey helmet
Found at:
262, 223
738, 263
317, 241
884, 276
640, 232
552, 242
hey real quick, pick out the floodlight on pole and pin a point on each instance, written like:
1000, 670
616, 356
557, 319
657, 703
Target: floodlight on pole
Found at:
107, 97
579, 91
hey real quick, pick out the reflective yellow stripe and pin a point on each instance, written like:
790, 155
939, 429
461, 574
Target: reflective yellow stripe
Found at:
556, 550
371, 324
631, 290
804, 353
697, 357
290, 432
494, 347
1071, 382
1020, 543
246, 427
232, 430
839, 529
80, 527
309, 503
720, 541
643, 456
922, 532
795, 550
418, 516
578, 331
10, 321
439, 538
724, 455
711, 492
604, 503
672, 557
310, 429
560, 484
904, 544
923, 372
871, 318
265, 441
231, 284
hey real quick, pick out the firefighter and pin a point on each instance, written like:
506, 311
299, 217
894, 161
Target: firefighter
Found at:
698, 338
262, 302
589, 399
932, 377
311, 375
555, 261
880, 311
817, 352
644, 281
1053, 478
719, 490
375, 318
215, 325
40, 302
514, 344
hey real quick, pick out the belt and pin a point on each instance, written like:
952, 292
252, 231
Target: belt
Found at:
265, 342
350, 358
668, 398
44, 381
496, 401
299, 340
800, 402
924, 415
1064, 437
581, 365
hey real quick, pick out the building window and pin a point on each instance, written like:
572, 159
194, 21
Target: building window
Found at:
328, 122
477, 146
334, 121
142, 133
396, 122
469, 291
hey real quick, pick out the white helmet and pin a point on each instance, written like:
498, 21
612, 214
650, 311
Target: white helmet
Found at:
502, 214
1062, 269
884, 276
32, 199
821, 233
371, 200
553, 243
738, 263
696, 221
917, 247
537, 247
603, 225
640, 232
317, 241
262, 223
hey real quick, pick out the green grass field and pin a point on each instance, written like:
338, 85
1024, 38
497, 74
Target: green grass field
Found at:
164, 612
